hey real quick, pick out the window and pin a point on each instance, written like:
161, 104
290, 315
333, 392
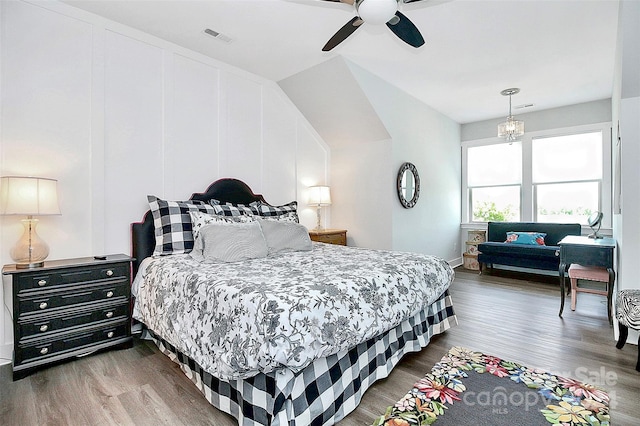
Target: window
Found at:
567, 176
551, 176
494, 178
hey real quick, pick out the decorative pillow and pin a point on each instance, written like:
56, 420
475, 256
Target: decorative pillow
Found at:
526, 238
285, 217
199, 219
172, 224
284, 236
235, 210
267, 210
215, 202
230, 242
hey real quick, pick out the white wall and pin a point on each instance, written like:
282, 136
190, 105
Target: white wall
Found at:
363, 175
554, 118
115, 114
430, 140
373, 127
626, 111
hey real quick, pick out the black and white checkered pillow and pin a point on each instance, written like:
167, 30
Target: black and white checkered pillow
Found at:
172, 224
267, 210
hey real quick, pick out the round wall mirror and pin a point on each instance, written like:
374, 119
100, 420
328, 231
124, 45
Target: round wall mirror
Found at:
408, 184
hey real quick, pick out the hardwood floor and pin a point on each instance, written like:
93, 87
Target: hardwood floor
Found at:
507, 315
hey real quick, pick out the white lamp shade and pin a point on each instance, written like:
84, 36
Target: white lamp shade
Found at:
31, 196
319, 196
377, 11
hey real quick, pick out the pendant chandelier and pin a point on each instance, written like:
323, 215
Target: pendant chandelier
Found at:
511, 129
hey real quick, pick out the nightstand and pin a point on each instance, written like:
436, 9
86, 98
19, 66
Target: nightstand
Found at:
69, 308
330, 236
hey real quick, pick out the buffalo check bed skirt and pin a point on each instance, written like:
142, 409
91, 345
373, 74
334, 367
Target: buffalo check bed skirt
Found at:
329, 388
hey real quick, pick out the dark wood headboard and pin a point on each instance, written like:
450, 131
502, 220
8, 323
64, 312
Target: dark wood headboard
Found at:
143, 239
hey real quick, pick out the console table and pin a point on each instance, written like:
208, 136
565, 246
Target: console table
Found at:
586, 251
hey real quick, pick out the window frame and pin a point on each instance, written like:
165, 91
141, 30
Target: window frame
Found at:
528, 207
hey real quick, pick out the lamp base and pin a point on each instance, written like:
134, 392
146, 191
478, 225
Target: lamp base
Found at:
319, 222
30, 265
30, 251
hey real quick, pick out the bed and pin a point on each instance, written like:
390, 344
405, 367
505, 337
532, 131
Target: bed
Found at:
291, 338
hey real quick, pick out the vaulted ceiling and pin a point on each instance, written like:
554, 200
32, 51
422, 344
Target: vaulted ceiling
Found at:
558, 52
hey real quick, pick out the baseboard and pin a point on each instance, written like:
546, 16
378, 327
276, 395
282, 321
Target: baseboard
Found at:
6, 354
455, 262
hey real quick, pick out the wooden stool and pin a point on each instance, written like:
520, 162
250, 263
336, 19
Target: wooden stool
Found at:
579, 272
628, 316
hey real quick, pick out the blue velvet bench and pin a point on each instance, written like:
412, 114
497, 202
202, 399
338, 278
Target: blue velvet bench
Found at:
495, 251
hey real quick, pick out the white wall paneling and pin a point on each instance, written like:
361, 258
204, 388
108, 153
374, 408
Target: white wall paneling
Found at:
279, 147
46, 107
116, 114
194, 122
241, 129
134, 131
45, 123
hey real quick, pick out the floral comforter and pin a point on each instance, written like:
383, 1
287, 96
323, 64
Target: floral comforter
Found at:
239, 319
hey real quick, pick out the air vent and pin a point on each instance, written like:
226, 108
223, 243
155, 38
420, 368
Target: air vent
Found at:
218, 36
523, 106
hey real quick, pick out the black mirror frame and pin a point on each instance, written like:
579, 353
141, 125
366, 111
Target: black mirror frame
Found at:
407, 204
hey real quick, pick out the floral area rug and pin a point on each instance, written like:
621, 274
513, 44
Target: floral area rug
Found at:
472, 388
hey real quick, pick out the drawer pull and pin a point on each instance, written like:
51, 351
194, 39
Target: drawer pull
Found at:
109, 314
43, 305
110, 293
44, 351
109, 272
42, 283
110, 334
44, 328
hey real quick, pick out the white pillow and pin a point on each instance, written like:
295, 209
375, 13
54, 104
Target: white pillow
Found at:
284, 236
229, 242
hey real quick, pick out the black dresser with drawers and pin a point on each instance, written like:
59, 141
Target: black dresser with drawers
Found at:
69, 308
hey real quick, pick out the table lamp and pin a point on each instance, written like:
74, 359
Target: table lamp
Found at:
319, 196
29, 196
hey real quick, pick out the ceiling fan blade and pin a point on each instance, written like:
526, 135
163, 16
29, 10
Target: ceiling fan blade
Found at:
405, 30
343, 33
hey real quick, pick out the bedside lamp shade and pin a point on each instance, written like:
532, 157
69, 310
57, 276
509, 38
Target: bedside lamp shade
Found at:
319, 196
29, 196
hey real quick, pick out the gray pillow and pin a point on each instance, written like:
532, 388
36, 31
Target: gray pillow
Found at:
229, 242
283, 236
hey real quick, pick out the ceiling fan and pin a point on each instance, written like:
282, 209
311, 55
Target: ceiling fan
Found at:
377, 12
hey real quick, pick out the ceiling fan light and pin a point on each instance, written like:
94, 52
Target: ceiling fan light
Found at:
377, 11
